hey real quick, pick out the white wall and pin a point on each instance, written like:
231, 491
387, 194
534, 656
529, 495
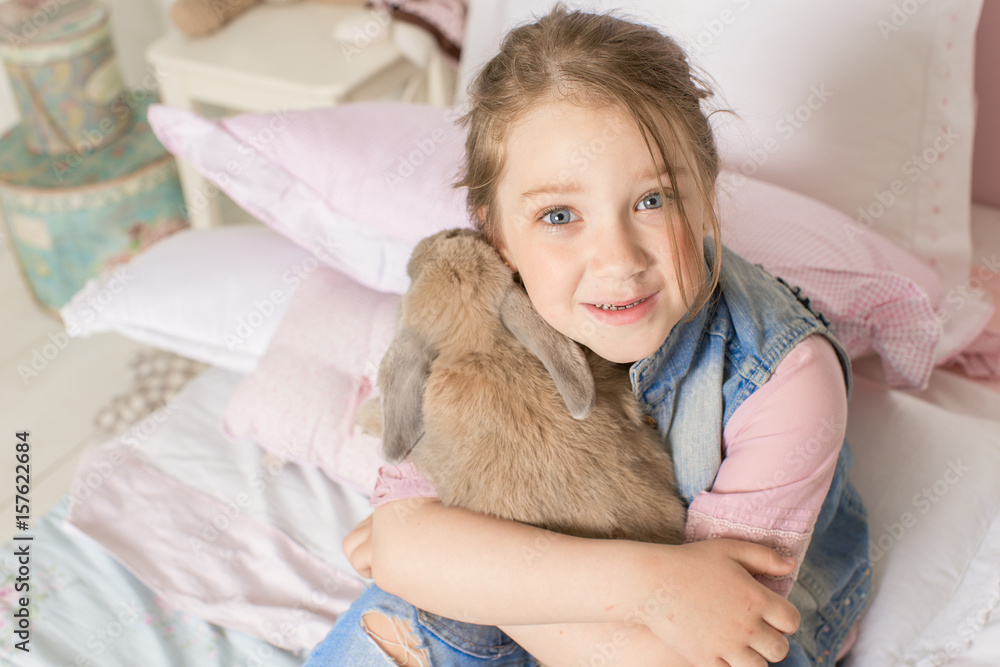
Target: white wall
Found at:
135, 24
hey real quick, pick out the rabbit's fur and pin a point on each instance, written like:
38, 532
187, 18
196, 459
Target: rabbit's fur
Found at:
467, 395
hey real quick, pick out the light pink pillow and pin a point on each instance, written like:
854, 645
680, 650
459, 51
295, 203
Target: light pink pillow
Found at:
301, 401
359, 184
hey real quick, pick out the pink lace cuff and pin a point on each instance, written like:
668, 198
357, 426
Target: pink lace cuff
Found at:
789, 543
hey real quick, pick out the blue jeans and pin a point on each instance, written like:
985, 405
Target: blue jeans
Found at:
448, 643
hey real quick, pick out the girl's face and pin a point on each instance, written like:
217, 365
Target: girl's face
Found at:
582, 220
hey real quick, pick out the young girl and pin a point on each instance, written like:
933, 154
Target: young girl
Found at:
591, 167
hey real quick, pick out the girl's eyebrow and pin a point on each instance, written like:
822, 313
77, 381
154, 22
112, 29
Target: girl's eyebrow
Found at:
561, 188
678, 171
570, 188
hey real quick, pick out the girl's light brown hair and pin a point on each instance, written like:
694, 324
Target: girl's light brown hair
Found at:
603, 60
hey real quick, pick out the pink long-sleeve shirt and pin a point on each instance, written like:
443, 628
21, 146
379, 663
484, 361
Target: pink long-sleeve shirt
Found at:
779, 451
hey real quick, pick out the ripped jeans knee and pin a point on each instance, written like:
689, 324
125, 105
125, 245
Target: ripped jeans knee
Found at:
380, 629
396, 637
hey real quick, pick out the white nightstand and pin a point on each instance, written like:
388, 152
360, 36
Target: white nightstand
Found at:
287, 57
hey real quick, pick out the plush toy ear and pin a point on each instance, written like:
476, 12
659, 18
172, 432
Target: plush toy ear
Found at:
562, 357
401, 378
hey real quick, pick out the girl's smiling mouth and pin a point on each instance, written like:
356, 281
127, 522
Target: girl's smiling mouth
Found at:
623, 312
611, 306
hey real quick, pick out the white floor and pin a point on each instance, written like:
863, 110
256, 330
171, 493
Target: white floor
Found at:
50, 386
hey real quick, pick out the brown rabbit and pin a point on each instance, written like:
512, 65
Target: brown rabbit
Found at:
475, 388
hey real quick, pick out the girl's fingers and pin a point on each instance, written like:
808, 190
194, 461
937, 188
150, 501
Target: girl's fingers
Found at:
779, 613
782, 616
357, 547
748, 658
759, 559
770, 644
358, 534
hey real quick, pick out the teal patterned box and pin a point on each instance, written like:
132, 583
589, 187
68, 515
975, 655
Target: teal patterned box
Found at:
64, 74
71, 216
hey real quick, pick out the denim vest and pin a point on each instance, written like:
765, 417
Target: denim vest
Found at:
692, 385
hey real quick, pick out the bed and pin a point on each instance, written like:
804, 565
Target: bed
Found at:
208, 531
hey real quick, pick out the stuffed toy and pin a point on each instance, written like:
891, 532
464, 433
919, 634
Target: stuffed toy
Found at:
199, 18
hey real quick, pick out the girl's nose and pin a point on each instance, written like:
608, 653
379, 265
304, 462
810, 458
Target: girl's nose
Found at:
616, 251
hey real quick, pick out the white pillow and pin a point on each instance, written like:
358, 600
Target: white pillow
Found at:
928, 477
837, 100
215, 295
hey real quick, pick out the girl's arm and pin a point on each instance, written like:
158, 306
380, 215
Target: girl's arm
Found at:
700, 598
780, 450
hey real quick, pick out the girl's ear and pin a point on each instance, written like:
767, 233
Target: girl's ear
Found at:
496, 240
507, 259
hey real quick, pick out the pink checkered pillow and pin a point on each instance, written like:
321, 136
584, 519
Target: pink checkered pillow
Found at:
877, 296
301, 401
360, 184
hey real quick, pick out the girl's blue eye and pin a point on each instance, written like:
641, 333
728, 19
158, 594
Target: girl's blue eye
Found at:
650, 201
557, 216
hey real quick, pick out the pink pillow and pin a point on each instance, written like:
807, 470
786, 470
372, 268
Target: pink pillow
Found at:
359, 184
301, 401
877, 296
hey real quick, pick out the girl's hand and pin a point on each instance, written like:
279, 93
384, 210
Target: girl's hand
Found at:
711, 610
357, 547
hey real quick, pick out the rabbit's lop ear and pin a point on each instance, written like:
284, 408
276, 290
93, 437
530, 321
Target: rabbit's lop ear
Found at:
562, 357
402, 375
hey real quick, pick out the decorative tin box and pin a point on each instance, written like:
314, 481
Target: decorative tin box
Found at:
64, 73
72, 216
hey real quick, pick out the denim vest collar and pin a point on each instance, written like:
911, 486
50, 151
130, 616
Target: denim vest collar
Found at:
710, 364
